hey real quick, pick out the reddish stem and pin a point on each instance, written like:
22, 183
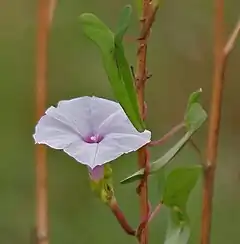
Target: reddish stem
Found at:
232, 39
155, 212
162, 140
141, 77
148, 219
221, 54
214, 123
121, 218
41, 168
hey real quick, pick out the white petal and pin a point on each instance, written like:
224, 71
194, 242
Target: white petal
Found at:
54, 133
83, 152
75, 112
117, 122
110, 148
84, 114
102, 109
114, 145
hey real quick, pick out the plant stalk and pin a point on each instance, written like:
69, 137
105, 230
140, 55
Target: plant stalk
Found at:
221, 54
121, 218
141, 77
43, 25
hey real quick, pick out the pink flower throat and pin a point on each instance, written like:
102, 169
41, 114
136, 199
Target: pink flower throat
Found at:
93, 139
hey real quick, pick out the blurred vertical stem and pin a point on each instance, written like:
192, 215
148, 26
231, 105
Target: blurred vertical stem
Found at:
221, 53
44, 16
141, 76
214, 121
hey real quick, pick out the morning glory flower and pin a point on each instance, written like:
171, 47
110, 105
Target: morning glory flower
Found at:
92, 130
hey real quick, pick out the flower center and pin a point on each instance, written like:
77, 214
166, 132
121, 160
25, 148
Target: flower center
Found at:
93, 139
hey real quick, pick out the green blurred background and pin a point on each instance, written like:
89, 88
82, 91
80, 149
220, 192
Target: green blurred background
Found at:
180, 58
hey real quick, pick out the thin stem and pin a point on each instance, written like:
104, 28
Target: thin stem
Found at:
232, 39
198, 151
148, 219
162, 140
121, 218
141, 77
41, 167
214, 122
221, 54
155, 212
149, 22
52, 7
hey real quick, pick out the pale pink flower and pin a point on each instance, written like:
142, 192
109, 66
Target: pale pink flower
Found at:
92, 130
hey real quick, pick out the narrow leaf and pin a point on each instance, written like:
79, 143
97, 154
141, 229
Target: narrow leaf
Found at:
104, 38
160, 163
124, 67
194, 118
127, 78
98, 32
124, 22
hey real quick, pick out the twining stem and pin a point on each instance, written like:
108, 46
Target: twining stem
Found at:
141, 77
155, 212
120, 217
148, 219
221, 53
45, 12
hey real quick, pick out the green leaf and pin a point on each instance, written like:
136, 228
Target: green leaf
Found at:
194, 98
195, 115
124, 22
194, 118
179, 185
124, 68
126, 77
160, 163
98, 32
104, 38
161, 181
177, 234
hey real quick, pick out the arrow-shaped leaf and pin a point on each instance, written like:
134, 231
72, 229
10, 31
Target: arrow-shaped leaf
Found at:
194, 118
194, 114
160, 163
